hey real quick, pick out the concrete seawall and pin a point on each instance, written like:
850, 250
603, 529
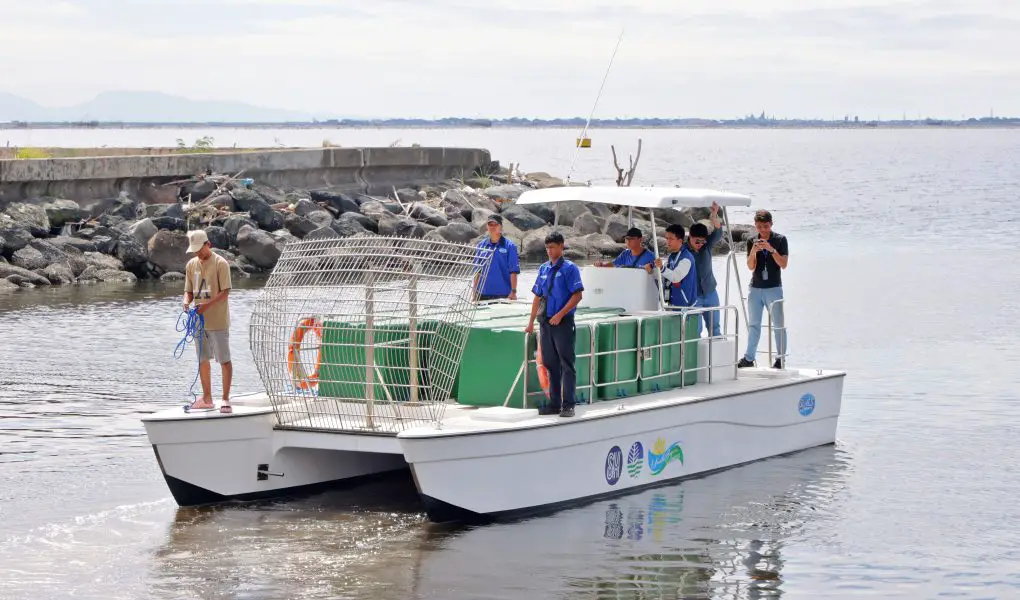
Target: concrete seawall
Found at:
365, 170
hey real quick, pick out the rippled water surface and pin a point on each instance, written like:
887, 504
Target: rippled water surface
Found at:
902, 272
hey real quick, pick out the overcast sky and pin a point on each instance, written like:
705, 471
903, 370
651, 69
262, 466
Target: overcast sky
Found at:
534, 58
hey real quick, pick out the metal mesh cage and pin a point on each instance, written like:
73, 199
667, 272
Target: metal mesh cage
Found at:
364, 333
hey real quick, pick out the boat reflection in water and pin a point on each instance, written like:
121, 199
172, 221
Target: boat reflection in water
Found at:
718, 537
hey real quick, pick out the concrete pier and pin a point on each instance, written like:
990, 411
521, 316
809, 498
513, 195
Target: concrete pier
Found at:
365, 170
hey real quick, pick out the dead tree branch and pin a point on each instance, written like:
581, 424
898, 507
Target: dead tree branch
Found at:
624, 179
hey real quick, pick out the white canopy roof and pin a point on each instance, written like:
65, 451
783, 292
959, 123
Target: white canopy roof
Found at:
642, 197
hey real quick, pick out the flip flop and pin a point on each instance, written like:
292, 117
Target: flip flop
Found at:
226, 409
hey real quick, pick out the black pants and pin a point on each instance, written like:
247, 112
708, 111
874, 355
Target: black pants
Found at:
558, 358
482, 297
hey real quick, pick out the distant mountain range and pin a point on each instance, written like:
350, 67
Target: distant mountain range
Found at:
150, 107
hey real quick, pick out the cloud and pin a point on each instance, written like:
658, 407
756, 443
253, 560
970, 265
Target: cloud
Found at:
525, 57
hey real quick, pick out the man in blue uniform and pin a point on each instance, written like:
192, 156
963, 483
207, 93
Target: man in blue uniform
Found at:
701, 243
501, 280
636, 256
679, 272
767, 254
557, 291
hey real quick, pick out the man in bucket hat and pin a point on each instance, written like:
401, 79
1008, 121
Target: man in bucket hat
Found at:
207, 284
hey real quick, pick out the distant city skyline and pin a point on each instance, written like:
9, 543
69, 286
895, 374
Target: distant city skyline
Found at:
534, 58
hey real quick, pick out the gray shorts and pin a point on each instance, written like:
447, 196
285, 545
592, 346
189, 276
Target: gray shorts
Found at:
215, 344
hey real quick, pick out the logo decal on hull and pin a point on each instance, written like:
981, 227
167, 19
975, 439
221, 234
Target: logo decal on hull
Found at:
660, 456
635, 459
614, 465
806, 405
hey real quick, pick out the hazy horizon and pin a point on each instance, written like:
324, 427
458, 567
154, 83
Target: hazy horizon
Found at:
876, 59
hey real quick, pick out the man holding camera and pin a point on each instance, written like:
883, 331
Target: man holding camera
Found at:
767, 256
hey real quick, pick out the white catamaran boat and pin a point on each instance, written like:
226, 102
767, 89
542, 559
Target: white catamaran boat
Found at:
376, 358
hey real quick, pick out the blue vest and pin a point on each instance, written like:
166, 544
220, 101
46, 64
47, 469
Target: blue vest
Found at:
684, 293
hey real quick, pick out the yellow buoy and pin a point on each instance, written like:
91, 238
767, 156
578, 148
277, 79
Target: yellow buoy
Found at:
584, 142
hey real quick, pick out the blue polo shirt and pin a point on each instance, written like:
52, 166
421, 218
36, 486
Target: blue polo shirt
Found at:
627, 259
565, 284
504, 262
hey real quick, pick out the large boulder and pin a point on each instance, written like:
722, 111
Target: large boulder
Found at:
546, 212
132, 253
616, 227
92, 274
366, 223
570, 212
7, 286
19, 274
533, 245
260, 211
432, 216
103, 262
29, 258
322, 233
258, 247
170, 223
69, 256
522, 218
322, 218
65, 241
349, 224
143, 231
341, 203
459, 233
29, 217
299, 226
58, 274
399, 225
503, 193
168, 251
233, 225
588, 223
544, 180
106, 244
409, 196
124, 209
13, 236
675, 217
60, 212
458, 202
218, 237
304, 206
377, 209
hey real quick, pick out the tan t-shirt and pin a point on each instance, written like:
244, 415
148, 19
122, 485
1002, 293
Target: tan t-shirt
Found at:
205, 280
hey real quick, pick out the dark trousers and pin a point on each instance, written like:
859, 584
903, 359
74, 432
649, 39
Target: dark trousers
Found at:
558, 358
483, 297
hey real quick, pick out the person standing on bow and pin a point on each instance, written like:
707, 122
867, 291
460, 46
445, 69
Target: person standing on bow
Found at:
636, 256
207, 284
701, 243
558, 290
679, 271
501, 279
767, 254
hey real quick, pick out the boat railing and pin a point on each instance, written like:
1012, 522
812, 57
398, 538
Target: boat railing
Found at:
641, 352
773, 331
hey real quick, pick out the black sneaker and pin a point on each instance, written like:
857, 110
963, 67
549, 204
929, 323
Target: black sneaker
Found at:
778, 364
745, 363
567, 412
548, 410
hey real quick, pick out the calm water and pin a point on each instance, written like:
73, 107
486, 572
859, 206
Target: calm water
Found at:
903, 272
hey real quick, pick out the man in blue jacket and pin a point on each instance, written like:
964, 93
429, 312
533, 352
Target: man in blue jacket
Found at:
635, 256
559, 288
701, 243
501, 279
679, 272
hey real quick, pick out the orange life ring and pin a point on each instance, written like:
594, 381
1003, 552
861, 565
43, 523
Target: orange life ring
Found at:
297, 372
543, 373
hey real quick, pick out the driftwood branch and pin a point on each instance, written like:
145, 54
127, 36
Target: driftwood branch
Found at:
624, 178
634, 163
616, 165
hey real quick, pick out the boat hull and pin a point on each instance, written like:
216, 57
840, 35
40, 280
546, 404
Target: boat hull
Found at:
544, 468
213, 458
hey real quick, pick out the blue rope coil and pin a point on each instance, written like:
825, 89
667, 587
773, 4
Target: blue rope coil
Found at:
192, 325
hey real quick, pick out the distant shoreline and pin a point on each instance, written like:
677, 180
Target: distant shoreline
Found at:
986, 123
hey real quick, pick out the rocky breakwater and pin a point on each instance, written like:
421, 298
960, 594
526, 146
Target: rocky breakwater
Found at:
56, 241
